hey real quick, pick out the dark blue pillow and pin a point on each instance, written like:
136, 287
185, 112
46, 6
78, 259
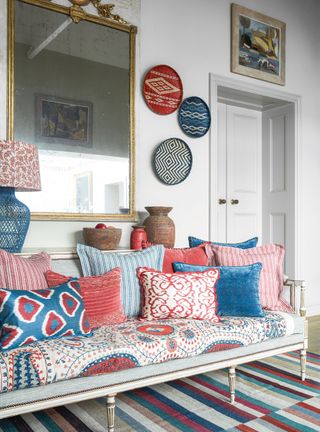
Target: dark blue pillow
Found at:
237, 288
194, 241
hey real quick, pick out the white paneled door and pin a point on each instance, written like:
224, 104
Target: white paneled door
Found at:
239, 178
278, 180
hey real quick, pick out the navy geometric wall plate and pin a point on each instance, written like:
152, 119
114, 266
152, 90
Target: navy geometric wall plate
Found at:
194, 117
172, 161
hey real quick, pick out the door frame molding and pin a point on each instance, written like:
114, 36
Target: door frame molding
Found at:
217, 81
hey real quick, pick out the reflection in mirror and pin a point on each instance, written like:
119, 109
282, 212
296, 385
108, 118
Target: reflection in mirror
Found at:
72, 99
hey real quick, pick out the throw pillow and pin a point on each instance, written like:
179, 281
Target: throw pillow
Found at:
173, 295
30, 316
237, 288
196, 255
95, 262
101, 296
271, 280
194, 242
23, 273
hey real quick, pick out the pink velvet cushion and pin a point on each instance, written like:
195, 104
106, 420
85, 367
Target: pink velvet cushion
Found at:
271, 278
196, 256
23, 273
101, 296
189, 295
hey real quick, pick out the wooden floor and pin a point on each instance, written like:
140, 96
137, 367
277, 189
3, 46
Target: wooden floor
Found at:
314, 334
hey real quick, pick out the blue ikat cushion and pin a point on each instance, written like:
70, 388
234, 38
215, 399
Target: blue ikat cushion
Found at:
94, 262
194, 241
30, 316
237, 288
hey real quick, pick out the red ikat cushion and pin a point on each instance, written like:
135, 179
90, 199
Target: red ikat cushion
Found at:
101, 296
178, 295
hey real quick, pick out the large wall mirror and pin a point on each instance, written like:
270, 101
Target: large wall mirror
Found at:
71, 87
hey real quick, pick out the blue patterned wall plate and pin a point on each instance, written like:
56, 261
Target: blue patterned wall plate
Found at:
194, 117
172, 161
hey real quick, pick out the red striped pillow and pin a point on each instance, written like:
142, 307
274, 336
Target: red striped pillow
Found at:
271, 278
101, 296
23, 273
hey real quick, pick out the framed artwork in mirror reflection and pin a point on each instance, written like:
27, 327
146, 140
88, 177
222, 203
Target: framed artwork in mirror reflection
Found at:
63, 121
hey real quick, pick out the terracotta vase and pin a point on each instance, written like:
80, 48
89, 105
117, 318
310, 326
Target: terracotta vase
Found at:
159, 227
138, 238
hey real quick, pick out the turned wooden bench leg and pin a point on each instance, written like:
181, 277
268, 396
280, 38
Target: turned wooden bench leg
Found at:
111, 406
232, 383
303, 363
303, 352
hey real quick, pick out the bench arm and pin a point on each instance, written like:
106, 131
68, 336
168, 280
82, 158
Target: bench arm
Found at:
297, 302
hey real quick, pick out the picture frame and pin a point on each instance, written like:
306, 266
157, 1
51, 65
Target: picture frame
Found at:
257, 45
63, 121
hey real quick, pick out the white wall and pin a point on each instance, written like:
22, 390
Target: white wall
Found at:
194, 38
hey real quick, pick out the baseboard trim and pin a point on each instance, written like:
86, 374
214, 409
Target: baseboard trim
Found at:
313, 310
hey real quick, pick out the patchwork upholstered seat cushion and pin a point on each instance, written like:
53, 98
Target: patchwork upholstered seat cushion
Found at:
132, 344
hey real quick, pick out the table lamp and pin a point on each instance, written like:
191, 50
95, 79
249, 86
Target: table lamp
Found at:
19, 171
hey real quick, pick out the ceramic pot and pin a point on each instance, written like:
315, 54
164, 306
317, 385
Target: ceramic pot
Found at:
138, 238
159, 227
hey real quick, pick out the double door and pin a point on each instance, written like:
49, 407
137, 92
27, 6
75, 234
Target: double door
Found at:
239, 215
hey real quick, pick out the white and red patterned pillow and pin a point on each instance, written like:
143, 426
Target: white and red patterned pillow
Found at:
23, 273
178, 295
271, 278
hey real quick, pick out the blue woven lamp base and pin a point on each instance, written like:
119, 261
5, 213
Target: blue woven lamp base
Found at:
14, 220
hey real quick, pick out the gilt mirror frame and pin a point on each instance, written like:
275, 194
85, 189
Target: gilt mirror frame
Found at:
107, 18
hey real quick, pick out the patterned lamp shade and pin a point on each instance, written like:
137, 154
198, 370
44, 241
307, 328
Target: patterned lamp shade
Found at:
19, 170
19, 166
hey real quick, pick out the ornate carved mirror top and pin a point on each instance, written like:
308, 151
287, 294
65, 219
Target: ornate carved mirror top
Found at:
71, 92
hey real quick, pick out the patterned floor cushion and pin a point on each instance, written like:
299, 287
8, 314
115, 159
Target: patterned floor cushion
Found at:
132, 344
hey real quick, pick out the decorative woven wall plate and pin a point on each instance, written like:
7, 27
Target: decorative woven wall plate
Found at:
162, 89
172, 161
194, 117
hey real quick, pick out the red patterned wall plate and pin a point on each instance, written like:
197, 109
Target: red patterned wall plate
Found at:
162, 89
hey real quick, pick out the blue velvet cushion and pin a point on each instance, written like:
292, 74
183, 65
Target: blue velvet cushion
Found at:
30, 316
94, 262
194, 241
237, 289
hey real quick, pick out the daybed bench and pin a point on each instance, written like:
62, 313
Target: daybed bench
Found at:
75, 370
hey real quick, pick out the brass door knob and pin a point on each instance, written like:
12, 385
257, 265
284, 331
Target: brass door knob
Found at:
222, 201
234, 201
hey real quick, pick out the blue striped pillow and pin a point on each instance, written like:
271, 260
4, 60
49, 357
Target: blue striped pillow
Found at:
95, 262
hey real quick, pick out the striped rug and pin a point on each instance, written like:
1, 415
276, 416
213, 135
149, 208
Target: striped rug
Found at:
269, 397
